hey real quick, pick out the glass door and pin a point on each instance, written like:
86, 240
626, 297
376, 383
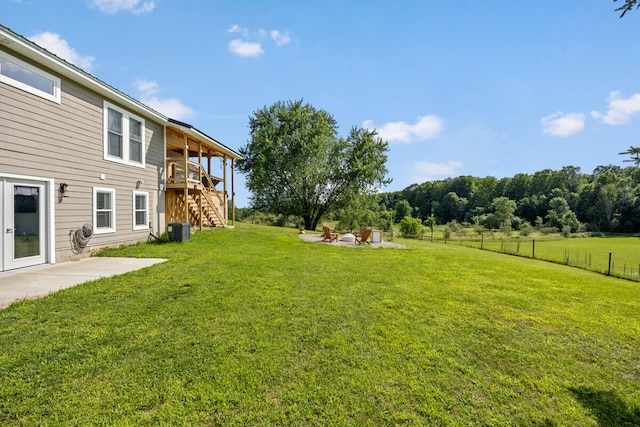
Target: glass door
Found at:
24, 235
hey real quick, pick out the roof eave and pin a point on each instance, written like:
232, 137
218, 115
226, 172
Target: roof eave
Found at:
195, 133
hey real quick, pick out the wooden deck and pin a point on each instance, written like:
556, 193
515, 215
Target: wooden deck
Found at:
193, 194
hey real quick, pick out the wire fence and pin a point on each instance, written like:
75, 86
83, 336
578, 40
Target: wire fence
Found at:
622, 265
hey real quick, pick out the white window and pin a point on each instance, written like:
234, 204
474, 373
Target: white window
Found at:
140, 210
104, 210
123, 136
29, 78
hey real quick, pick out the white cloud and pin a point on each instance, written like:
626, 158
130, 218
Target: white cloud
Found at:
137, 7
427, 127
238, 29
426, 171
620, 109
245, 49
279, 38
560, 124
170, 107
246, 46
55, 44
147, 88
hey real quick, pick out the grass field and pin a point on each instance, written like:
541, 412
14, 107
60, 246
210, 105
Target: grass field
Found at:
588, 253
253, 326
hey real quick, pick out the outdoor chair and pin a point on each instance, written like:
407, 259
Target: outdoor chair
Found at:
363, 236
328, 235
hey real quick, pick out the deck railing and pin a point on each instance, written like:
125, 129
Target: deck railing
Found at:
195, 177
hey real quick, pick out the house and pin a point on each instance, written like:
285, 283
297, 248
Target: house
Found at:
80, 159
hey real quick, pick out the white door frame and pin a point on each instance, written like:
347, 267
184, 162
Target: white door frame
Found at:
48, 212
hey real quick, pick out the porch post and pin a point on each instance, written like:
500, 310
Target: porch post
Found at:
224, 208
233, 196
186, 179
199, 184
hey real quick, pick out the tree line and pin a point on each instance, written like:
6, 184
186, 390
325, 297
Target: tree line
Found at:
566, 200
300, 171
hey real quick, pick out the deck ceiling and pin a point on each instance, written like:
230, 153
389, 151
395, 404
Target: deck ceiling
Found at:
176, 142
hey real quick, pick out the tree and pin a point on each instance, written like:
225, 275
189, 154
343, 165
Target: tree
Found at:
627, 6
634, 152
358, 214
561, 216
503, 209
430, 222
517, 188
453, 207
296, 164
403, 208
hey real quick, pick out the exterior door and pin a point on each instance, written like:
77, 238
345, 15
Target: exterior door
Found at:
24, 231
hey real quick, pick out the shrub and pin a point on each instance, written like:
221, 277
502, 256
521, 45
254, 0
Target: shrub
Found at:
526, 229
411, 227
548, 230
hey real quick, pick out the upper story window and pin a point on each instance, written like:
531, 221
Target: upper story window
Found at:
123, 136
25, 76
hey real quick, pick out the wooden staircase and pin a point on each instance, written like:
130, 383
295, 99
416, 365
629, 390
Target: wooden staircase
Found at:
205, 206
210, 215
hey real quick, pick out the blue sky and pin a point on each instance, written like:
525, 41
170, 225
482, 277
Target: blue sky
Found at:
457, 87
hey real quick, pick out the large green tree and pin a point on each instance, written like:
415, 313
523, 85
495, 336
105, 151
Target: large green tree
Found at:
295, 162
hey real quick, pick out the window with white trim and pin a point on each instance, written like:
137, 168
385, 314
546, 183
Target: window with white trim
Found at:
31, 79
123, 136
140, 210
104, 210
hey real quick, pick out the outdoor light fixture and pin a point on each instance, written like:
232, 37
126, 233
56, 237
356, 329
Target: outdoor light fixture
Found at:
139, 183
62, 189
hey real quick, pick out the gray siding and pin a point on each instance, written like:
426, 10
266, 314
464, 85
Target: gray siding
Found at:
65, 142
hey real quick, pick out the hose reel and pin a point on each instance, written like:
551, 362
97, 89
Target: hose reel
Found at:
81, 237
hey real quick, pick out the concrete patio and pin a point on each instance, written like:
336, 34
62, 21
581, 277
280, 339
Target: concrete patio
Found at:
42, 280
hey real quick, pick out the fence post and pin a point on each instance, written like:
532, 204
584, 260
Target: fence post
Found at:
533, 248
482, 244
609, 270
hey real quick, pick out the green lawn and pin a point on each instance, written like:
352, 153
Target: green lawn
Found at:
588, 253
254, 326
